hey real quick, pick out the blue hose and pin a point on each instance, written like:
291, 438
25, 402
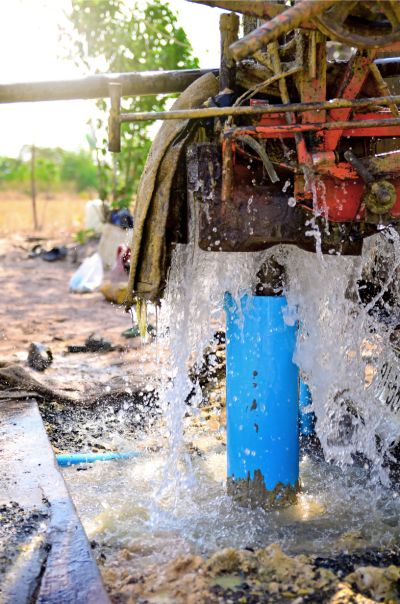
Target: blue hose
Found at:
70, 459
307, 418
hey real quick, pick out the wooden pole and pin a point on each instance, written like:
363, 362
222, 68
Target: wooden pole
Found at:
97, 86
114, 124
229, 30
33, 188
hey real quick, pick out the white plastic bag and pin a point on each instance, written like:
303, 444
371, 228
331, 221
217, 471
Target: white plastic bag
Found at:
88, 276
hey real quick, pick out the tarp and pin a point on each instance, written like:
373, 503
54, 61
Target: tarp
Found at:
148, 249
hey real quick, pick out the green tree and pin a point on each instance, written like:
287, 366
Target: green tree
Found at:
47, 166
13, 172
54, 169
121, 36
80, 169
47, 174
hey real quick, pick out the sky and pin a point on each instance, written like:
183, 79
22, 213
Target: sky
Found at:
31, 51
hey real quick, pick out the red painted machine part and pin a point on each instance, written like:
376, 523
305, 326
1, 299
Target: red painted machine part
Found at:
337, 194
338, 200
266, 124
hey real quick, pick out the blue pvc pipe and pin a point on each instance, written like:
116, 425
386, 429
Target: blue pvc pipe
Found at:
261, 392
70, 459
306, 418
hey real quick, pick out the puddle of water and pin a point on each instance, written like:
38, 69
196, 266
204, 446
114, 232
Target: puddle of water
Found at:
337, 510
163, 505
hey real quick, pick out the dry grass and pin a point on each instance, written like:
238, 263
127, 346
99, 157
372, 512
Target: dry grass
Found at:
60, 213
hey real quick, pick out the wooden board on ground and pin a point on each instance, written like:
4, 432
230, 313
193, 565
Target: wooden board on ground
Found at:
45, 556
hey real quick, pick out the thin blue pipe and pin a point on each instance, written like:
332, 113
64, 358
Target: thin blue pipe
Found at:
262, 391
306, 418
70, 459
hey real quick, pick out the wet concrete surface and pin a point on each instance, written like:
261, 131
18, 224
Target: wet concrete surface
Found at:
17, 528
45, 553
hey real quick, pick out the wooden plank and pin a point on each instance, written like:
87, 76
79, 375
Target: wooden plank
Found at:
51, 560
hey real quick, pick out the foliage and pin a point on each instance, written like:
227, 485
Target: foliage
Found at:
122, 36
79, 168
55, 169
84, 235
13, 170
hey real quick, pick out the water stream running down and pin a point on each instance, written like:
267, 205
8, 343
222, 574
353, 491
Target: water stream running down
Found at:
172, 500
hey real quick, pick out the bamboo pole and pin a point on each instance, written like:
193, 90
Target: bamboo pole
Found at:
229, 30
270, 31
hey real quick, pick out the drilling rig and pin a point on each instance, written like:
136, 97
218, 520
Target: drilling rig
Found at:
299, 145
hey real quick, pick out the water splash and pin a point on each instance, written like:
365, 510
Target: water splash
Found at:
343, 341
168, 505
334, 353
336, 510
190, 314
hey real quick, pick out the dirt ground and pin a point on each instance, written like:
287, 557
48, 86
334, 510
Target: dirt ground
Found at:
36, 306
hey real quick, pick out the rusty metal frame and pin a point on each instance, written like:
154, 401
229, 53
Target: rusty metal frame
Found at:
346, 127
261, 109
356, 73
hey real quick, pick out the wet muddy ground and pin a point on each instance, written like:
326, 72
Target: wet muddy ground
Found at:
36, 306
145, 561
114, 398
16, 527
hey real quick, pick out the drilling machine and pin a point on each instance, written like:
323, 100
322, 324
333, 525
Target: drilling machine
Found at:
300, 145
328, 135
307, 111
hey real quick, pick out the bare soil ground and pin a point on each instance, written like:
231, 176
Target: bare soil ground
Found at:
36, 306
